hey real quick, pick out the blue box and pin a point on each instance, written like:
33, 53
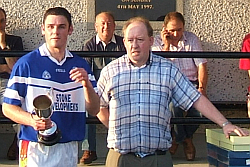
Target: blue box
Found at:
212, 161
212, 150
227, 158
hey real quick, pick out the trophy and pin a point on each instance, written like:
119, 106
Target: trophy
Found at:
43, 109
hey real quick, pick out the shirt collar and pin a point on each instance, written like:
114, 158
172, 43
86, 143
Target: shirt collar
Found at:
98, 40
149, 61
45, 52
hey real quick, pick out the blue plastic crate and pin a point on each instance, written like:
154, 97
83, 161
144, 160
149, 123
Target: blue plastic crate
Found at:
221, 157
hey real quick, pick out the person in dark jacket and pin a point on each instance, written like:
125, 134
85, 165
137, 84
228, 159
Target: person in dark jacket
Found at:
104, 40
8, 42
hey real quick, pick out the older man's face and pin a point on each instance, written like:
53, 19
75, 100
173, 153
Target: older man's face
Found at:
137, 43
105, 27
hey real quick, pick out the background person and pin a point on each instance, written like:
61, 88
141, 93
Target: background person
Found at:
244, 64
51, 66
174, 38
104, 40
8, 42
135, 91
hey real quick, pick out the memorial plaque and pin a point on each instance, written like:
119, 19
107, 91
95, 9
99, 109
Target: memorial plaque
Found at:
154, 10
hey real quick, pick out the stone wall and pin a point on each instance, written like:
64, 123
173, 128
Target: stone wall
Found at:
220, 24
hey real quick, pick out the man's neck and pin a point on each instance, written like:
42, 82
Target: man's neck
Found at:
106, 40
57, 53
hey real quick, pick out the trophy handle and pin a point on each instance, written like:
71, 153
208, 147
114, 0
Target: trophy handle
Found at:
50, 93
32, 115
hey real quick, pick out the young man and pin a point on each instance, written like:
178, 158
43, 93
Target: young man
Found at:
135, 91
104, 40
51, 66
8, 43
174, 38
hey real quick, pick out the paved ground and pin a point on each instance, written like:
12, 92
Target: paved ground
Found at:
178, 162
178, 158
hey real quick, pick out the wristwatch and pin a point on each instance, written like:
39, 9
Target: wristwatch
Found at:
6, 48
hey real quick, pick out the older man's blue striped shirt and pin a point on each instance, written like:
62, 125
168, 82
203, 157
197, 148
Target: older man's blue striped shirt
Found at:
138, 100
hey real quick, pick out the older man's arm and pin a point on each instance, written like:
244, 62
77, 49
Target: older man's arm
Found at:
210, 111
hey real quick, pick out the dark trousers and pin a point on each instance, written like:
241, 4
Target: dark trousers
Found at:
115, 159
184, 131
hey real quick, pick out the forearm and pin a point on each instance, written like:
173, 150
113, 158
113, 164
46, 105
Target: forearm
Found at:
11, 61
92, 100
202, 78
202, 75
5, 68
209, 110
17, 114
103, 116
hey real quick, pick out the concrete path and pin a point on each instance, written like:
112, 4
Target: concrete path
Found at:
178, 162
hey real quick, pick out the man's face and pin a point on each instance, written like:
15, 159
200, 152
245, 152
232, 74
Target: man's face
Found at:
56, 30
175, 29
137, 43
2, 21
105, 27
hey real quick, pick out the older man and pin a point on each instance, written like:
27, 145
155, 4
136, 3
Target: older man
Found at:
104, 40
135, 92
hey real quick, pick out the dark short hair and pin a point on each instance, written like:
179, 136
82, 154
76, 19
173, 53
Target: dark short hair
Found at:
139, 19
107, 13
172, 16
58, 11
1, 9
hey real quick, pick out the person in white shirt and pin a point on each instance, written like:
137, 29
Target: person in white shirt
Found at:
174, 38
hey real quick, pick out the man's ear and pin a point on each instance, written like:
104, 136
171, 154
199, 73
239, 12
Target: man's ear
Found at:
43, 29
96, 27
151, 40
71, 29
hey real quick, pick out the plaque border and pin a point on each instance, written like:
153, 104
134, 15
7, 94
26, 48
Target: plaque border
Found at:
157, 25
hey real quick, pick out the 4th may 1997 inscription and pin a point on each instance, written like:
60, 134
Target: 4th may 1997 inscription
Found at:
125, 9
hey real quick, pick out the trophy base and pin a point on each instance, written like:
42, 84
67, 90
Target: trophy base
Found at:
51, 140
49, 137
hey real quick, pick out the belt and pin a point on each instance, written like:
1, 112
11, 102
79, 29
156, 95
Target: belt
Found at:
142, 155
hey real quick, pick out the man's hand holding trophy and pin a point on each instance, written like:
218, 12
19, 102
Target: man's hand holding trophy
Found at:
43, 107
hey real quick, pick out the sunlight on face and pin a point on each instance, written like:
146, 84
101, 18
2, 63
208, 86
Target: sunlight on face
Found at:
137, 43
105, 27
56, 30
